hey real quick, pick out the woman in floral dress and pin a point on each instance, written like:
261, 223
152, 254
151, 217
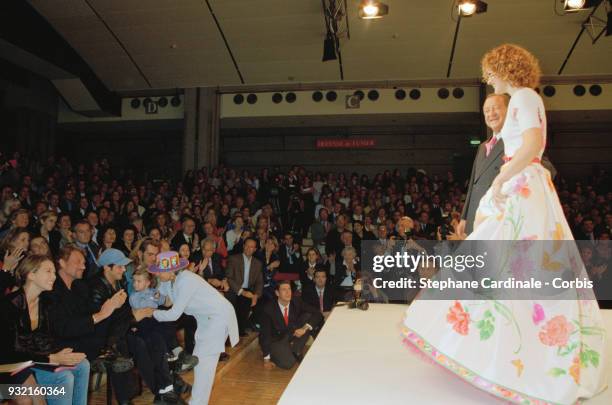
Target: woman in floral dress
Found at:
525, 351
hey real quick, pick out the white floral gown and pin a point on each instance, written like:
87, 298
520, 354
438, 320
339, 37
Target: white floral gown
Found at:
524, 351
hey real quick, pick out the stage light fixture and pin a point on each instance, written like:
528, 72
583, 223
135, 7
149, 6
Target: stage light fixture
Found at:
458, 92
370, 9
373, 95
290, 97
359, 94
400, 94
252, 98
571, 6
175, 101
579, 90
415, 94
468, 8
549, 91
331, 96
135, 103
574, 4
329, 48
317, 96
443, 93
162, 102
238, 99
595, 90
277, 98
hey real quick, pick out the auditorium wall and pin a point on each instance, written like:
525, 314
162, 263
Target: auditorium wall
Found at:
574, 147
434, 150
151, 150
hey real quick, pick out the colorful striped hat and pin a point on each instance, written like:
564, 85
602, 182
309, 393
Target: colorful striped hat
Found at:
167, 262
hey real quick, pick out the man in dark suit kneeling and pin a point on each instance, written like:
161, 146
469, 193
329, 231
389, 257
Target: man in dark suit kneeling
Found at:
286, 325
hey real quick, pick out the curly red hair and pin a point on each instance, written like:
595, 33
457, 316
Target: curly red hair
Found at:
512, 63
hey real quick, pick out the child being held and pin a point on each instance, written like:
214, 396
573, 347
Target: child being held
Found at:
145, 295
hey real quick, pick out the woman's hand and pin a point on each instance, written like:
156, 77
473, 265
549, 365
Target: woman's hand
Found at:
499, 198
274, 265
66, 357
11, 260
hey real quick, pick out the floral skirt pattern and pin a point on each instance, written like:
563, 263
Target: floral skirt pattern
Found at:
524, 351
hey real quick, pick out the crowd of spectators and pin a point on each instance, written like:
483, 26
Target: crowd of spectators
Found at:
63, 224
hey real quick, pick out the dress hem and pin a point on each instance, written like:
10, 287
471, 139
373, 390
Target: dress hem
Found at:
410, 337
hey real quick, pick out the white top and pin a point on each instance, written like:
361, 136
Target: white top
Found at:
215, 315
525, 111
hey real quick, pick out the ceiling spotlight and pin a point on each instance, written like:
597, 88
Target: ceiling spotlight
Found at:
468, 8
578, 5
329, 48
574, 4
370, 9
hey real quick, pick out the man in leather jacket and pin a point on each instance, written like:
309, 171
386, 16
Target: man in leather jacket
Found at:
151, 355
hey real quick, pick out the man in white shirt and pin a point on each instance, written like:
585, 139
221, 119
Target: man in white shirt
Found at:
245, 278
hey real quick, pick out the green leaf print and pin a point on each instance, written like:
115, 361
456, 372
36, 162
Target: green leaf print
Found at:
486, 329
589, 356
565, 350
592, 331
486, 326
509, 316
556, 372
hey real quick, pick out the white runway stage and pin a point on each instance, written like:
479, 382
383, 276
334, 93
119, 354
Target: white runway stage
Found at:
358, 358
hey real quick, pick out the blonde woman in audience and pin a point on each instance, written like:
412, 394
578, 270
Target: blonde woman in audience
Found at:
46, 230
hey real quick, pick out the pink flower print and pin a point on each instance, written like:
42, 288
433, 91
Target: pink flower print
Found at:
520, 266
538, 314
556, 331
458, 318
525, 243
520, 186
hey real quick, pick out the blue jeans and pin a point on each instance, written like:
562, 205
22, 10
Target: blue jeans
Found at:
75, 383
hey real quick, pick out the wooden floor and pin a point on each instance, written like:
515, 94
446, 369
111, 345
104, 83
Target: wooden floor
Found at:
241, 380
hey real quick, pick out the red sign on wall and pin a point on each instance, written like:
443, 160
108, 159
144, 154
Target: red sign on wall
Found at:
346, 143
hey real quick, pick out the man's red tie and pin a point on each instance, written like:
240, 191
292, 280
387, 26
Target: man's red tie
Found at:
321, 300
286, 316
490, 145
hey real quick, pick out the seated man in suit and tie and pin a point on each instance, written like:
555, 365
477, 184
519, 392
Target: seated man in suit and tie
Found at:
83, 239
245, 279
289, 254
319, 294
209, 266
286, 325
187, 235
